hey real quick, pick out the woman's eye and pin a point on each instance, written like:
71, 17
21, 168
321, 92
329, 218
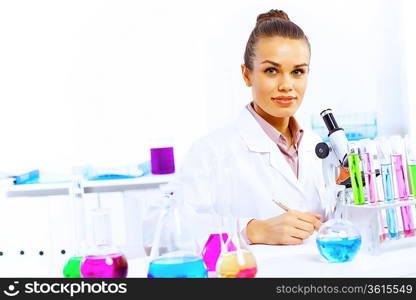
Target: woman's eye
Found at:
298, 72
271, 71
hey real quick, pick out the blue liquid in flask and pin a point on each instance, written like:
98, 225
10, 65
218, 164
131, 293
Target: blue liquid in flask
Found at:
339, 250
178, 267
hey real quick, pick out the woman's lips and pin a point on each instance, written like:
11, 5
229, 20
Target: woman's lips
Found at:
284, 100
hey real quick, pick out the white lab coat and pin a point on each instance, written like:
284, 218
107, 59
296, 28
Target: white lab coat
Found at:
242, 156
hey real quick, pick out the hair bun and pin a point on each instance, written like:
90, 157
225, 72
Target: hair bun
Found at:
272, 14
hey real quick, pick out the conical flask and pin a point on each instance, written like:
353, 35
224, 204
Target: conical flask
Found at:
104, 260
236, 259
212, 248
174, 252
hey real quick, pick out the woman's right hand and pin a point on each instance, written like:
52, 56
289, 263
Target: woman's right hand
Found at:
290, 228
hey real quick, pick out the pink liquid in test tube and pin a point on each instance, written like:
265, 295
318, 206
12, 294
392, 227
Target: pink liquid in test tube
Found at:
370, 178
403, 195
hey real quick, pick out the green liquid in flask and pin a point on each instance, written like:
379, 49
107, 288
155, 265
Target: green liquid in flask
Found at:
72, 268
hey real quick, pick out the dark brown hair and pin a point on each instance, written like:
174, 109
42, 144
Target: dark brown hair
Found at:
273, 23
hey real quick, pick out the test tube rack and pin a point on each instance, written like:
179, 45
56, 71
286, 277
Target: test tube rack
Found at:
367, 219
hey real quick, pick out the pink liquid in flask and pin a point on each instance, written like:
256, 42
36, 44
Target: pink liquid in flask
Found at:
212, 250
104, 266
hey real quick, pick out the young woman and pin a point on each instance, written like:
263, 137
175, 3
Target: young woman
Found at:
266, 153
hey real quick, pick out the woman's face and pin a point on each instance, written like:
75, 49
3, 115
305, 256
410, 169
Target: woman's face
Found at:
279, 75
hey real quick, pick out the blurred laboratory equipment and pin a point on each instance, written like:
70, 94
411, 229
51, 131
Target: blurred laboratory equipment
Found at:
237, 261
174, 252
72, 268
104, 260
162, 156
357, 126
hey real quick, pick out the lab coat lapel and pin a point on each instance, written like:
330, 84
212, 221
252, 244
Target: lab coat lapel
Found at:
308, 161
258, 141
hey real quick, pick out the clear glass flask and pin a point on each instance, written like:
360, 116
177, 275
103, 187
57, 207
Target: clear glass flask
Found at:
212, 248
237, 261
338, 241
104, 260
174, 252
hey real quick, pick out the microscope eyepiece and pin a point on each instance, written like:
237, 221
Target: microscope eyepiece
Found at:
329, 120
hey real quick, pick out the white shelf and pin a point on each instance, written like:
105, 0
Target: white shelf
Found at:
383, 205
37, 189
97, 186
119, 185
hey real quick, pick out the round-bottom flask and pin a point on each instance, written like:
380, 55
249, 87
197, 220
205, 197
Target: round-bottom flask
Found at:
104, 260
72, 268
338, 241
238, 261
112, 265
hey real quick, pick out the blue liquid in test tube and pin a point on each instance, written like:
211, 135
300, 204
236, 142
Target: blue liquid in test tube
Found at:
388, 193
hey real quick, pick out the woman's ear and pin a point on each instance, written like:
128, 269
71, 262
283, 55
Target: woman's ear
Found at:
246, 75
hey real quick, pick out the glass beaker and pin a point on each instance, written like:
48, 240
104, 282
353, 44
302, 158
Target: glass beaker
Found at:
104, 260
162, 158
174, 253
238, 261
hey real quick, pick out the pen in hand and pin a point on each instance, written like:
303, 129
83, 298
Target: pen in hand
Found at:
285, 208
281, 205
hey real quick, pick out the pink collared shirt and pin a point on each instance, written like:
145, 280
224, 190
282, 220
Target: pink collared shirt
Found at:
290, 153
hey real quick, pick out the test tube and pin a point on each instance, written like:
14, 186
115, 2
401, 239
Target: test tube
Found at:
401, 181
384, 155
370, 160
411, 163
369, 170
355, 173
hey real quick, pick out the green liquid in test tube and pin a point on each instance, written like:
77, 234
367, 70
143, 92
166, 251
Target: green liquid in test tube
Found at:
356, 180
412, 171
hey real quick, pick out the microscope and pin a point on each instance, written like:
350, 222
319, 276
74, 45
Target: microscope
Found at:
335, 152
335, 165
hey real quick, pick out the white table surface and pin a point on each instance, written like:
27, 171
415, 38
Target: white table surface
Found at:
305, 261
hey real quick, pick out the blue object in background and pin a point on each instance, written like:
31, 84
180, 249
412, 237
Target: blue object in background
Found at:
146, 167
122, 172
357, 126
28, 178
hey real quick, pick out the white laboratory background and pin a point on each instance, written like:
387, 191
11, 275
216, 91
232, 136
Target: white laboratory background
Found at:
90, 81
